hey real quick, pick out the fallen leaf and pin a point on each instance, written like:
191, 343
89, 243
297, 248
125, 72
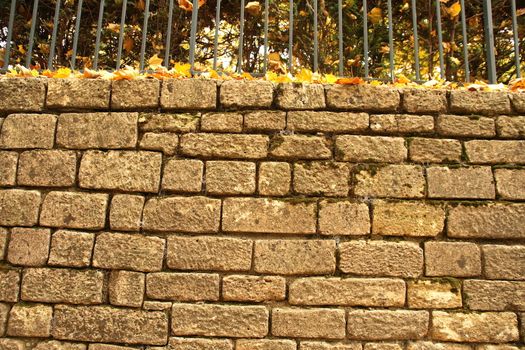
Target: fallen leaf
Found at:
350, 81
454, 10
155, 62
253, 8
375, 15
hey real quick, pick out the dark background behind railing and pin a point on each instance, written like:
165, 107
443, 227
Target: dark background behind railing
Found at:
327, 57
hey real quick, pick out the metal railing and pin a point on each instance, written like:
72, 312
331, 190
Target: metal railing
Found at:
489, 47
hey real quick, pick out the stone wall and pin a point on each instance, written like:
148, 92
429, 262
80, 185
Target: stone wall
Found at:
190, 216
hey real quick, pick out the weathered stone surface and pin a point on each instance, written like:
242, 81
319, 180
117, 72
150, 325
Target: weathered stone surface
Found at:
126, 288
343, 218
495, 151
9, 285
183, 175
30, 321
246, 93
188, 94
253, 288
518, 101
71, 248
183, 214
3, 243
512, 127
488, 327
28, 246
128, 252
458, 259
383, 346
425, 101
12, 344
169, 122
387, 324
78, 93
209, 253
19, 207
4, 314
317, 345
423, 150
265, 344
224, 146
294, 257
230, 177
121, 170
408, 219
363, 97
8, 163
199, 344
107, 324
497, 347
274, 178
496, 221
504, 262
510, 183
468, 182
380, 258
126, 212
434, 294
401, 123
494, 295
299, 147
300, 96
74, 210
396, 181
329, 179
62, 286
380, 292
28, 131
229, 320
183, 286
428, 345
136, 93
265, 121
50, 168
109, 347
165, 142
97, 130
466, 126
156, 305
490, 103
331, 122
370, 149
222, 122
308, 323
32, 90
265, 215
59, 345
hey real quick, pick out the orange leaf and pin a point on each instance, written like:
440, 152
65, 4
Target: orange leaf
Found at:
350, 81
454, 10
375, 15
128, 44
187, 5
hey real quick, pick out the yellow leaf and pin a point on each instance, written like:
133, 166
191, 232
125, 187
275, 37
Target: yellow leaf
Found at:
127, 73
21, 49
62, 73
402, 80
376, 83
183, 70
304, 76
375, 15
330, 78
253, 8
155, 62
247, 76
454, 9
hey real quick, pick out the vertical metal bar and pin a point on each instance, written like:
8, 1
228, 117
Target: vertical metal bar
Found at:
515, 34
9, 34
265, 62
216, 39
54, 36
290, 38
316, 42
416, 40
34, 19
121, 32
489, 41
193, 33
241, 38
99, 31
168, 35
340, 34
440, 40
144, 35
75, 36
365, 36
391, 38
465, 40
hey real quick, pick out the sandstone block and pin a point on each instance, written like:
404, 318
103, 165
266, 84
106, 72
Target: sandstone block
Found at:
299, 147
246, 93
28, 131
343, 218
188, 94
19, 207
108, 324
494, 295
71, 248
423, 150
49, 168
294, 257
330, 122
183, 214
128, 252
510, 183
183, 175
383, 346
265, 121
425, 101
183, 286
156, 305
504, 262
264, 215
274, 178
370, 149
30, 321
363, 97
458, 259
108, 347
428, 345
4, 315
308, 323
8, 163
512, 127
380, 292
490, 103
222, 122
169, 122
265, 344
408, 219
496, 347
209, 253
12, 344
329, 179
387, 324
434, 294
126, 212
28, 246
317, 345
9, 285
3, 243
230, 177
59, 345
380, 258
224, 146
300, 96
62, 286
253, 288
495, 151
97, 130
126, 288
165, 142
517, 101
137, 93
401, 123
466, 126
74, 210
32, 90
199, 344
78, 93
468, 182
396, 181
229, 320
